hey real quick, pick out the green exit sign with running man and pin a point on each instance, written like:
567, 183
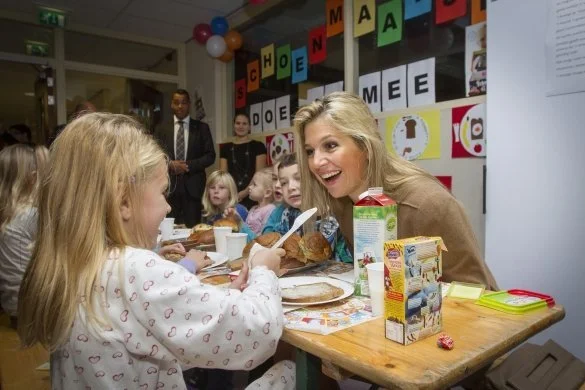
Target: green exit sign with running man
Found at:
52, 17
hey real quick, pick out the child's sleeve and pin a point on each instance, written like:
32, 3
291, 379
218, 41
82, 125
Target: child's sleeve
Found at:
273, 220
243, 211
244, 228
202, 325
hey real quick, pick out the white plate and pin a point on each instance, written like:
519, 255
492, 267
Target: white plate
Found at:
300, 280
217, 258
180, 233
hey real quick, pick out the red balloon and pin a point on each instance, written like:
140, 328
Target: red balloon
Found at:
227, 56
233, 40
202, 32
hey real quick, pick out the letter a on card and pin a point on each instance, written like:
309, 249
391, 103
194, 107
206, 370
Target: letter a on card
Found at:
389, 22
446, 10
267, 58
253, 75
364, 17
317, 45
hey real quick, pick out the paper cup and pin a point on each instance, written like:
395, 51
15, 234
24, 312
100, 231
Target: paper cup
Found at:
166, 228
376, 285
235, 244
220, 238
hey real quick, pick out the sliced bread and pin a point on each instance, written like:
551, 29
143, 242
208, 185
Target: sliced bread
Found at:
308, 293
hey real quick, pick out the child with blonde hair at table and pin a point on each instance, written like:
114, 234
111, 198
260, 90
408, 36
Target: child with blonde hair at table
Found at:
260, 190
113, 313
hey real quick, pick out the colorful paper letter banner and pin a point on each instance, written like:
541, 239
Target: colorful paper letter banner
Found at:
317, 45
267, 58
416, 136
369, 90
469, 131
283, 64
389, 22
315, 93
446, 10
334, 9
299, 64
278, 145
334, 87
256, 118
268, 115
240, 93
477, 11
253, 76
283, 112
475, 59
414, 8
394, 88
421, 82
364, 17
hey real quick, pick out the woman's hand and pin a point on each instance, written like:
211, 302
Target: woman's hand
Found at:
199, 258
173, 248
269, 258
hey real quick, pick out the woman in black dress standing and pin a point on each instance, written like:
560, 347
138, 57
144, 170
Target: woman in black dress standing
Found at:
242, 158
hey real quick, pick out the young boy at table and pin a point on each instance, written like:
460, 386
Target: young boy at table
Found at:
112, 312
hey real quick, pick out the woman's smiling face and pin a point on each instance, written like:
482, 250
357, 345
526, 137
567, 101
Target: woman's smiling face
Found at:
335, 159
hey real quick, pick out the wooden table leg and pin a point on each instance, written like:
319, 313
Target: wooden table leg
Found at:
308, 370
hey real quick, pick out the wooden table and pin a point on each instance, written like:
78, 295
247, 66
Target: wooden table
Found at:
481, 335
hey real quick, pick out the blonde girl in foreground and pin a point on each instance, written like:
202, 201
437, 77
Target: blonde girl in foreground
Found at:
112, 313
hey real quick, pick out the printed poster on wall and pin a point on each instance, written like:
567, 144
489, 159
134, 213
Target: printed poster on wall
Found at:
476, 59
268, 115
283, 112
256, 118
278, 145
447, 181
415, 136
334, 87
315, 93
469, 131
369, 90
421, 83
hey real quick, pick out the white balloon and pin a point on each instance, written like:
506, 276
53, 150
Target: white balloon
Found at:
215, 46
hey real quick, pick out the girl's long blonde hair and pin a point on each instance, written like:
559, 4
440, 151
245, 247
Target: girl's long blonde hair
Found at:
351, 116
227, 180
20, 172
98, 162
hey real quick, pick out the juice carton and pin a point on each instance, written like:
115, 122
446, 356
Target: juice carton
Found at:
375, 220
412, 288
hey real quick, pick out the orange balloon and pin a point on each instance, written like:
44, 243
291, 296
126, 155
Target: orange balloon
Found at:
233, 40
227, 56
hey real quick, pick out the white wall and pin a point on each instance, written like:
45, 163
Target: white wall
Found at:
535, 223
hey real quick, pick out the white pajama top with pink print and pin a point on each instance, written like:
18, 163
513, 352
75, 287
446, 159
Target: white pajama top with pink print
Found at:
161, 318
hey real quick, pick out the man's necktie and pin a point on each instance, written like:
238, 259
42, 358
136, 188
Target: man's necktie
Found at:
181, 142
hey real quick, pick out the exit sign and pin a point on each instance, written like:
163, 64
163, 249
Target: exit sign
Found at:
34, 48
52, 17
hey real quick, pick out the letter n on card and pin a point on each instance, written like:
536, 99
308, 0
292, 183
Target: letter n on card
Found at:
469, 131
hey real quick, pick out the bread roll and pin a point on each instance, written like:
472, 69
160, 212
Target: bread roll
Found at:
293, 250
291, 263
173, 256
203, 237
227, 223
315, 247
201, 227
268, 239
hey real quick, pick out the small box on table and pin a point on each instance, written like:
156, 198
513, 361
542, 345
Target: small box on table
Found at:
412, 288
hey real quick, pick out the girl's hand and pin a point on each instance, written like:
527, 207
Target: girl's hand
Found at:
242, 194
240, 282
199, 258
173, 248
268, 257
231, 213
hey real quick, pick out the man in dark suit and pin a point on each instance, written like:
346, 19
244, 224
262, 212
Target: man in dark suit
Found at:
189, 146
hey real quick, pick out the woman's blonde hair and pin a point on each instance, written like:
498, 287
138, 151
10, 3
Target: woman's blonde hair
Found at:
227, 180
98, 163
20, 173
349, 114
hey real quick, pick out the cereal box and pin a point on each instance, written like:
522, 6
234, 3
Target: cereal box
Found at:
375, 220
412, 288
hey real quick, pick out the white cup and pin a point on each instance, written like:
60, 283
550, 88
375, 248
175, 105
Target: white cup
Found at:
220, 240
235, 244
166, 228
376, 285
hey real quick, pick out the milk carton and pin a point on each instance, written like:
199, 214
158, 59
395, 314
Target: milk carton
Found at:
412, 288
375, 220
